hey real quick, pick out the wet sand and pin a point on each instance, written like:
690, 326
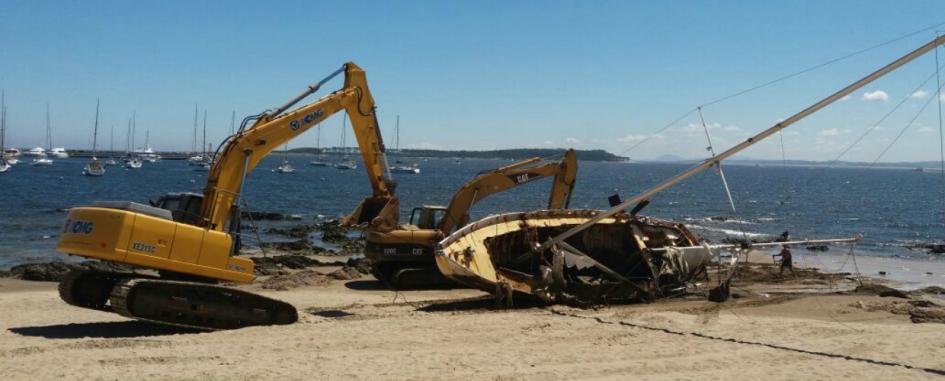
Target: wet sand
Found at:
356, 330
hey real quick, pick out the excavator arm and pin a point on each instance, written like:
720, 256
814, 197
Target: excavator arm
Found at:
510, 176
243, 151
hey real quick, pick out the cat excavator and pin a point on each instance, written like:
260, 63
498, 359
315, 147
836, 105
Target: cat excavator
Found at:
402, 257
191, 240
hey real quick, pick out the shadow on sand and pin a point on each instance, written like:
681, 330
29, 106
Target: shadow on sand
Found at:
105, 330
365, 285
477, 304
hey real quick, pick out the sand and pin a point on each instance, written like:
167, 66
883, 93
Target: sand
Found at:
354, 330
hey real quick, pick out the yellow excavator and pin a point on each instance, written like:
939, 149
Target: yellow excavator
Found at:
191, 240
402, 258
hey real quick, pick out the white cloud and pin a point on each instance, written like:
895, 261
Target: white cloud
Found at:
919, 94
829, 132
925, 129
845, 97
572, 140
875, 96
548, 143
732, 129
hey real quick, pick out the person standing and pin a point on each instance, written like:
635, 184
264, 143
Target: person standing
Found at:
786, 260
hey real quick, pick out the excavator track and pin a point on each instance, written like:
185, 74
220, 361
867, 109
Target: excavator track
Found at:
197, 305
89, 288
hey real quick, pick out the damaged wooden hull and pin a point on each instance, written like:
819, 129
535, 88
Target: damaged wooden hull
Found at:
611, 261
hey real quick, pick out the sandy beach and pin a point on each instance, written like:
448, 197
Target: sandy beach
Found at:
775, 329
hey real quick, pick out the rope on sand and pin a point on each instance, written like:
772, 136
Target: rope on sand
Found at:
939, 372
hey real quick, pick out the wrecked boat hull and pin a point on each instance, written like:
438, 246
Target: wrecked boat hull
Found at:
611, 261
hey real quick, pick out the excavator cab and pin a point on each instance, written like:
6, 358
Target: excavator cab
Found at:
184, 206
428, 217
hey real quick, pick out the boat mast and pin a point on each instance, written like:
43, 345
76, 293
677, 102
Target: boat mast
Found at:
193, 144
708, 163
203, 144
48, 130
3, 122
233, 122
134, 128
397, 129
95, 129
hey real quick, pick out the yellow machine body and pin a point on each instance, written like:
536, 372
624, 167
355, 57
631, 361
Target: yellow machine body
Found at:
200, 242
138, 239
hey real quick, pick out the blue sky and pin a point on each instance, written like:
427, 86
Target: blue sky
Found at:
474, 75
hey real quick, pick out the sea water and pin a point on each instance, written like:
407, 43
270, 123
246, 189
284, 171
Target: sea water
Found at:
896, 210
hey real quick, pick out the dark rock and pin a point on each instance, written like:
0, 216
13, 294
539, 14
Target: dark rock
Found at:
260, 216
345, 273
297, 231
936, 248
55, 271
361, 264
927, 315
818, 248
878, 289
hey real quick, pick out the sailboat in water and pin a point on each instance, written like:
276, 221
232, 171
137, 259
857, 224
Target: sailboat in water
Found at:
319, 161
94, 167
133, 161
406, 169
203, 165
57, 152
346, 162
286, 166
4, 165
111, 148
42, 160
196, 159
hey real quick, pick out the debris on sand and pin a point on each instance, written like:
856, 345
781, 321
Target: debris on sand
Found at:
55, 271
289, 281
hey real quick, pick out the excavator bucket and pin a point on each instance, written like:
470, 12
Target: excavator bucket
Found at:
378, 213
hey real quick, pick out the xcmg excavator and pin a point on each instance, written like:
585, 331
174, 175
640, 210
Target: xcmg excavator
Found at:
191, 240
402, 257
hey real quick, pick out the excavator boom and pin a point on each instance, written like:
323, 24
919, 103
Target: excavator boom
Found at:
243, 151
504, 178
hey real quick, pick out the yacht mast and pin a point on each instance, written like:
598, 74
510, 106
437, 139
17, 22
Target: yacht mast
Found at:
95, 129
715, 160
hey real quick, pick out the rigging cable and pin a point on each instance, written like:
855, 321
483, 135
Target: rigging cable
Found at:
779, 79
941, 134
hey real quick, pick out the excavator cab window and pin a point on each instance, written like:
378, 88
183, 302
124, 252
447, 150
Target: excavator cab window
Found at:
436, 216
427, 217
184, 207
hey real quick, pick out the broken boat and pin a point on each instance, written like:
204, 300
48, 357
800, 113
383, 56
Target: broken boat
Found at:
589, 257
